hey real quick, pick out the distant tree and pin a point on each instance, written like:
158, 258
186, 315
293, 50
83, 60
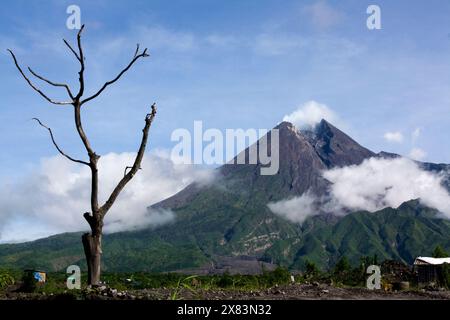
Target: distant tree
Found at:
375, 259
311, 268
92, 242
278, 276
342, 266
445, 275
439, 252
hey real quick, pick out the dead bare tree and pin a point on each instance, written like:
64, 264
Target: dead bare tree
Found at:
92, 242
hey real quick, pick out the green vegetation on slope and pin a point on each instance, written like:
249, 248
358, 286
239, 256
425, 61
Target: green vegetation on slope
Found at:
196, 239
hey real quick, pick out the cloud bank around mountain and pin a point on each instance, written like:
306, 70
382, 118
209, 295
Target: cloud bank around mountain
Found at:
296, 209
57, 193
375, 184
417, 154
378, 183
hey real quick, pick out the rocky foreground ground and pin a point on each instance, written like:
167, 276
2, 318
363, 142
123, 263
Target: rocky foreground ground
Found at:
287, 292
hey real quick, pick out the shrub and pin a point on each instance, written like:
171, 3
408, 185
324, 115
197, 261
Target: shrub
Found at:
439, 252
342, 267
225, 281
28, 282
311, 269
6, 279
278, 276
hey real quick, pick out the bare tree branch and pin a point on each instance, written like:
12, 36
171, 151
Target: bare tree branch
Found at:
137, 51
81, 59
126, 169
93, 160
33, 86
137, 163
71, 49
135, 58
81, 133
52, 83
90, 219
56, 145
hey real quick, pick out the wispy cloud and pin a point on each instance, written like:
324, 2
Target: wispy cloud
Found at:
221, 40
319, 47
322, 15
278, 44
162, 38
395, 136
310, 113
296, 209
415, 134
417, 154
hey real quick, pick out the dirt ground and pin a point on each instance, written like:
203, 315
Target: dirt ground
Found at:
312, 292
287, 292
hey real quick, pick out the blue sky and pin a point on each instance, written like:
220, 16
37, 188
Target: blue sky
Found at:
232, 64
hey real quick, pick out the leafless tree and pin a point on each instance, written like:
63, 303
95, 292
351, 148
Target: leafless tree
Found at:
92, 242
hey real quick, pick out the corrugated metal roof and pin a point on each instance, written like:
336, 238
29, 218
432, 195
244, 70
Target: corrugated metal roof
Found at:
432, 261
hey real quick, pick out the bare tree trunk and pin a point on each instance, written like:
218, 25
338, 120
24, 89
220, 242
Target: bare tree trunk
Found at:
92, 244
93, 250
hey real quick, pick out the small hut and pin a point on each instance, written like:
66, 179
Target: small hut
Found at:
429, 270
37, 275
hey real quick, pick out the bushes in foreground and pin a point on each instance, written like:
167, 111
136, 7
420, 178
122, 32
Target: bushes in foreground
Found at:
6, 279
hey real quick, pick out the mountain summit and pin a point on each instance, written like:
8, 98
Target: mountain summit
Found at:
334, 147
304, 154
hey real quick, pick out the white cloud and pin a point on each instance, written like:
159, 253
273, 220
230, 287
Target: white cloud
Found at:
416, 134
295, 209
379, 183
152, 217
322, 15
393, 136
310, 113
57, 194
417, 154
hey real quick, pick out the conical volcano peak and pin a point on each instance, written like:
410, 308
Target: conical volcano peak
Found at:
324, 125
286, 125
319, 128
288, 130
334, 147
